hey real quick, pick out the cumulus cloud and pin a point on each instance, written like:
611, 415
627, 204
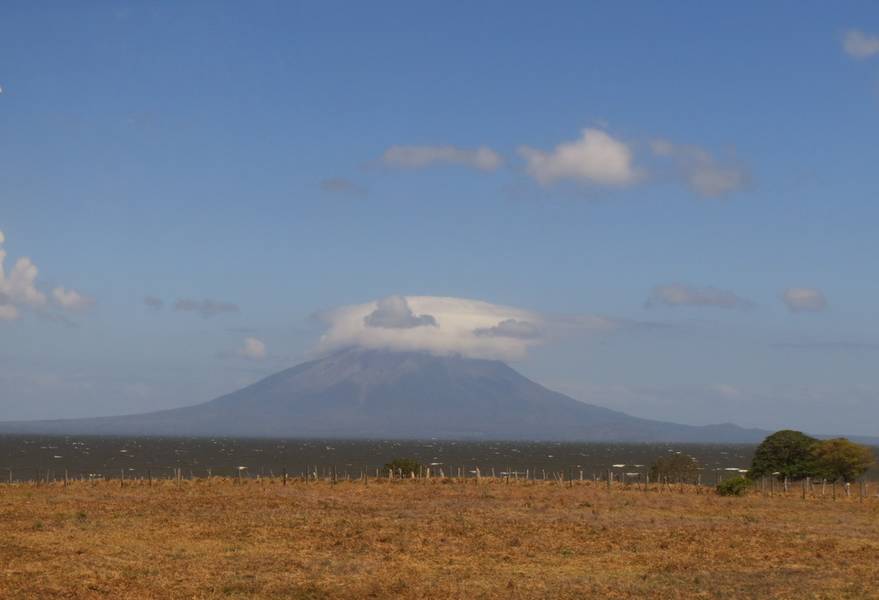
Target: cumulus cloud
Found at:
704, 174
678, 294
340, 185
394, 312
71, 299
254, 349
206, 308
595, 158
418, 157
153, 303
804, 299
511, 328
456, 321
18, 289
859, 44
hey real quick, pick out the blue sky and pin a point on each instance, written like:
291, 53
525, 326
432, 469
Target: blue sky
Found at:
281, 160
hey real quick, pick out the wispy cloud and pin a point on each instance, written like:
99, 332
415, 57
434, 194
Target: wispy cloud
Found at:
206, 308
153, 303
340, 185
860, 45
253, 348
705, 175
804, 300
419, 157
678, 294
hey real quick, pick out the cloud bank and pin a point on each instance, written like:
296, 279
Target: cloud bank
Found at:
419, 157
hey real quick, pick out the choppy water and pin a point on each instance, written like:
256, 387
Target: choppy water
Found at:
27, 455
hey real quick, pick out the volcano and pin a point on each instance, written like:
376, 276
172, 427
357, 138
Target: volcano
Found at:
359, 393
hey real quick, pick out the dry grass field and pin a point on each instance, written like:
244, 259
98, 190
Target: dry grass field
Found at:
215, 538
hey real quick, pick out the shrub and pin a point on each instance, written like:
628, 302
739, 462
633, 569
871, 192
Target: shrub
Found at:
677, 467
737, 486
406, 466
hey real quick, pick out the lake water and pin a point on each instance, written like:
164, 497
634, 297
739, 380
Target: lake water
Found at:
26, 455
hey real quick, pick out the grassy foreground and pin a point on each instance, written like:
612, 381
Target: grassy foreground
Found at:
214, 538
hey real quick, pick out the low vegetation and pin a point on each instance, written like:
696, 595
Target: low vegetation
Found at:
436, 538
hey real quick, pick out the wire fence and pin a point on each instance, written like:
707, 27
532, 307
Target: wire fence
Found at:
609, 479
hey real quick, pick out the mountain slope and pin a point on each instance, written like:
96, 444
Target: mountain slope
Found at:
360, 393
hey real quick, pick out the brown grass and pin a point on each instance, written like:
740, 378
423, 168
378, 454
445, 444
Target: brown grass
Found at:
429, 539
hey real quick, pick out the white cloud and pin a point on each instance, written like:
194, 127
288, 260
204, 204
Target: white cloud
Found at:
418, 157
595, 158
18, 288
705, 175
70, 299
457, 321
678, 294
859, 44
253, 348
804, 299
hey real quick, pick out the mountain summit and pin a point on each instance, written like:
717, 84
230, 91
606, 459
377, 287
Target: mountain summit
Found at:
359, 393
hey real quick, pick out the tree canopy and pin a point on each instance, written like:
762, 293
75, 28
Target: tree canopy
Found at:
842, 459
787, 453
793, 454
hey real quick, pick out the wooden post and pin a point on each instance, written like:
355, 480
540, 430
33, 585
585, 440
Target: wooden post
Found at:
65, 478
121, 477
285, 475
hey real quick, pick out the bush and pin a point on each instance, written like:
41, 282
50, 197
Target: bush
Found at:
737, 486
406, 466
677, 467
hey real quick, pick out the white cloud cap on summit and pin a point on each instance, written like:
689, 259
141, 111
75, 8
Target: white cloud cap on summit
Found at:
456, 323
418, 157
859, 44
595, 158
804, 299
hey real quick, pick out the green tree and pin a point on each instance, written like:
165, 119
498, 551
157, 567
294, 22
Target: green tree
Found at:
787, 453
406, 466
675, 466
842, 459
